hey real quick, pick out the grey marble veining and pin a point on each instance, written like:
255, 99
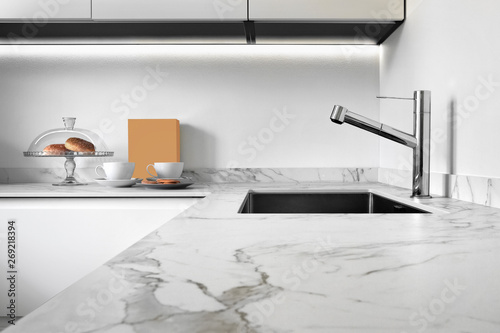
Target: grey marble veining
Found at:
250, 175
480, 190
86, 174
213, 270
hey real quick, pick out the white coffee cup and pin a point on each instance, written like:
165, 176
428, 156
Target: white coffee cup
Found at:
167, 169
116, 170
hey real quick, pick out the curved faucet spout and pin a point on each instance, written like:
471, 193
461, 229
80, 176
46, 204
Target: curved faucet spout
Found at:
341, 114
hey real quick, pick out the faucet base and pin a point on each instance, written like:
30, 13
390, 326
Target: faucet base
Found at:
422, 196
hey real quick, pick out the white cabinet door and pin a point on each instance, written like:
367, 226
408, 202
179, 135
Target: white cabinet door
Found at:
170, 10
44, 10
61, 240
326, 10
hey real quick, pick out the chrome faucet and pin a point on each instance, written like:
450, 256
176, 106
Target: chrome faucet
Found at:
419, 141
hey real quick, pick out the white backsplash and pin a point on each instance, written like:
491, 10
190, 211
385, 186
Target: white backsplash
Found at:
238, 106
434, 50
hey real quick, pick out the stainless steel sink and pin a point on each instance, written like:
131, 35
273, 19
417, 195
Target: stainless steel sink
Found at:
359, 202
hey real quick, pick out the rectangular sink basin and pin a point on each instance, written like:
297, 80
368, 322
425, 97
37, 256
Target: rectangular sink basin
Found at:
361, 202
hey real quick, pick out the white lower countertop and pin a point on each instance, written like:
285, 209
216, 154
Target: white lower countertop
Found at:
94, 190
211, 269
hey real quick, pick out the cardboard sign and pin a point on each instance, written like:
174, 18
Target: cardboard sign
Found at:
151, 141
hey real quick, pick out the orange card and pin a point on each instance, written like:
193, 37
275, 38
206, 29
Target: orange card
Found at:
151, 141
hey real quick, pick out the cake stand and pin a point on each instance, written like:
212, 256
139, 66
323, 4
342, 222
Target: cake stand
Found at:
59, 136
69, 164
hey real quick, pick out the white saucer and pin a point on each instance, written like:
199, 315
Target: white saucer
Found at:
118, 183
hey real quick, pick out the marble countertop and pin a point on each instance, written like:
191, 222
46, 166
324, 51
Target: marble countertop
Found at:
213, 270
93, 190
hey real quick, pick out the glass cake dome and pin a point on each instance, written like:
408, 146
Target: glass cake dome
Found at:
58, 136
51, 143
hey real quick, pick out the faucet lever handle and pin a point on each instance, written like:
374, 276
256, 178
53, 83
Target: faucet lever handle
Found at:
405, 98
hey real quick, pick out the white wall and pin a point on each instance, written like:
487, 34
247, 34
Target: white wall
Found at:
222, 95
449, 47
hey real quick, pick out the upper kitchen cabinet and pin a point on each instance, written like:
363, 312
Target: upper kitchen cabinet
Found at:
324, 21
327, 10
44, 10
338, 22
169, 10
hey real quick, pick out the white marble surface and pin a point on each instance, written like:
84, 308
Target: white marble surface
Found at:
87, 174
252, 175
476, 189
213, 270
40, 190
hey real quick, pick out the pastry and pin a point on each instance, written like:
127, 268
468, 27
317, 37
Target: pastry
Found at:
147, 181
79, 145
55, 149
167, 181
